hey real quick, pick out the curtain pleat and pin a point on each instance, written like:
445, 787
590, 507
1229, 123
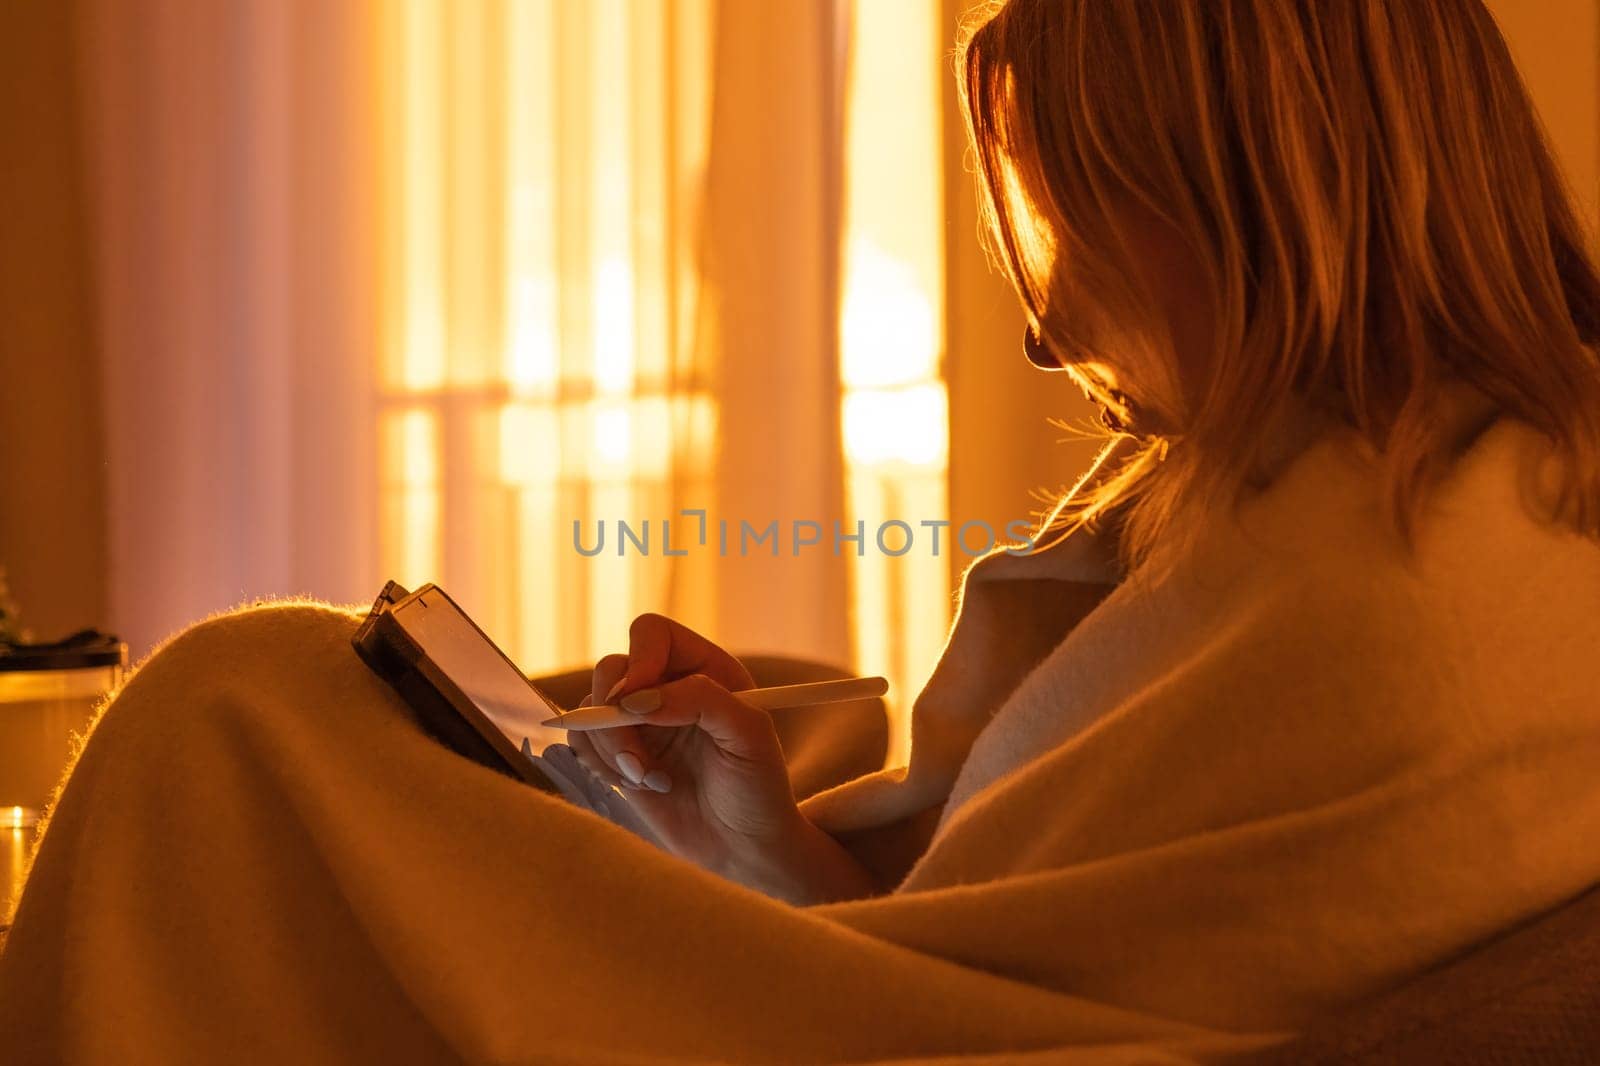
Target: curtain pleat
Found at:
766, 339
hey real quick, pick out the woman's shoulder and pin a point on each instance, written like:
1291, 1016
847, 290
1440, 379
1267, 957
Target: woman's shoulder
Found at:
1490, 585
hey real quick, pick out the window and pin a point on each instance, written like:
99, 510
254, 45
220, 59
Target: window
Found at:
540, 156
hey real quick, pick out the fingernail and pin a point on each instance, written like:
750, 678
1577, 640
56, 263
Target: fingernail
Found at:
630, 766
615, 689
658, 780
643, 701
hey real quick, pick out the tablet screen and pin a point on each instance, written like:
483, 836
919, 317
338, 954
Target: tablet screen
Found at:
505, 708
461, 651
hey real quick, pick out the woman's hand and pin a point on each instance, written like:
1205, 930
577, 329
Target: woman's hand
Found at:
704, 769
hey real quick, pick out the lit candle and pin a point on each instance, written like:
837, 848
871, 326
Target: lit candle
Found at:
13, 862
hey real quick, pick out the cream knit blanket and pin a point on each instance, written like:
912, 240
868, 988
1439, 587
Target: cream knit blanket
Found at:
1168, 820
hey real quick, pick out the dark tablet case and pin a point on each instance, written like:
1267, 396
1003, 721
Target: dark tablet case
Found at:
384, 646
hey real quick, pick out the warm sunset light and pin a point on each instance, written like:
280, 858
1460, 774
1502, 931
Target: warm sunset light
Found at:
527, 352
528, 359
412, 527
826, 531
891, 338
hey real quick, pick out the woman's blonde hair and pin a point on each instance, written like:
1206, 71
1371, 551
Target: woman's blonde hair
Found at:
1366, 193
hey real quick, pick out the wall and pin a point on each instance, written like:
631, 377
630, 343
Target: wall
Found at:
52, 482
1557, 46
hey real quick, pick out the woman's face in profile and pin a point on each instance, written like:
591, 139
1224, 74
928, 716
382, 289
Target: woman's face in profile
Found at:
1173, 323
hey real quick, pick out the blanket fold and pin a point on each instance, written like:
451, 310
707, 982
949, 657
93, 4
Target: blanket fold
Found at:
1157, 821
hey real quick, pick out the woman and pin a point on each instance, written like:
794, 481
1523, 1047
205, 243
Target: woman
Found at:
1299, 704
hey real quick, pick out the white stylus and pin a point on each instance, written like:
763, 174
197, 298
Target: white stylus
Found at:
609, 716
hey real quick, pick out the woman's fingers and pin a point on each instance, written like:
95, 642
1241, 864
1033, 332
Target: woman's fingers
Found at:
596, 789
659, 647
584, 750
697, 700
607, 672
621, 751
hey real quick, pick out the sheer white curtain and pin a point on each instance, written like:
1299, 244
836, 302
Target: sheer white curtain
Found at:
231, 149
404, 289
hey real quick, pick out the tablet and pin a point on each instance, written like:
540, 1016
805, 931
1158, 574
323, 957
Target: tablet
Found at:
466, 691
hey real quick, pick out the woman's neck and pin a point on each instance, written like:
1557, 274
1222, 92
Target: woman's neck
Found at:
1458, 413
1295, 428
